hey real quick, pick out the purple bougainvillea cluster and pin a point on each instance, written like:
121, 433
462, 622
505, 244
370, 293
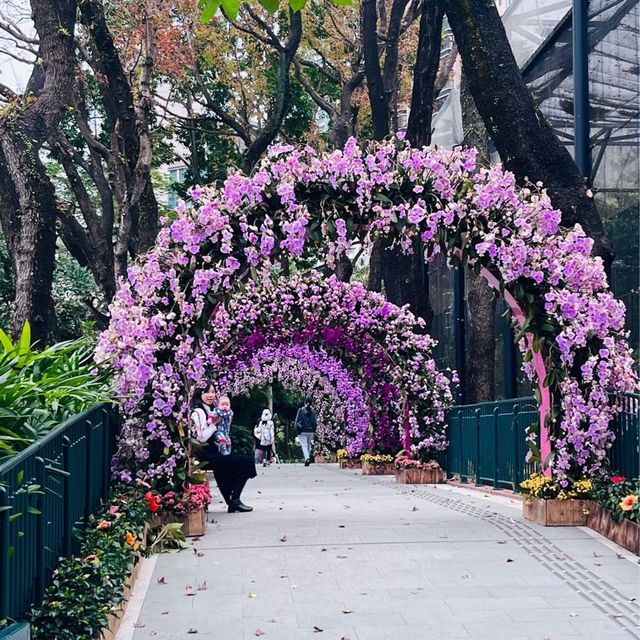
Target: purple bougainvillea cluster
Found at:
304, 204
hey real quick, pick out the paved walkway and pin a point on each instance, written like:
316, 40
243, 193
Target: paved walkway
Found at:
332, 555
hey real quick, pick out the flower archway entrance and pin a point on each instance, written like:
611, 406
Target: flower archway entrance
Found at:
303, 205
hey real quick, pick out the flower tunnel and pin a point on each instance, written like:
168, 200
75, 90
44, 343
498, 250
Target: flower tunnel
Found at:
329, 325
224, 246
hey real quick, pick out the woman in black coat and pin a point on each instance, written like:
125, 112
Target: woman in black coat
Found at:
230, 471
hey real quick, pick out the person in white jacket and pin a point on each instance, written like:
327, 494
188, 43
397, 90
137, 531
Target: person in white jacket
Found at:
265, 433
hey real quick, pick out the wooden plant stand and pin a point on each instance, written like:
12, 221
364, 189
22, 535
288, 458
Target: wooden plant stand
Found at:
193, 524
556, 513
388, 469
625, 533
419, 476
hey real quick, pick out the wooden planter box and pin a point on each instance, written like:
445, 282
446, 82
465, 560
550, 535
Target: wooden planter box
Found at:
193, 524
419, 476
556, 513
320, 459
350, 463
625, 533
388, 469
116, 615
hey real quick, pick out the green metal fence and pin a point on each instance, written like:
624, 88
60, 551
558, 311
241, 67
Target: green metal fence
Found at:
487, 441
50, 488
624, 456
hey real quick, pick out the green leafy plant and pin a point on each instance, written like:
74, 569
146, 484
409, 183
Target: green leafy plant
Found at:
168, 539
85, 590
41, 389
620, 496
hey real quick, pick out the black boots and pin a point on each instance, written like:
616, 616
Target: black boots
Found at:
236, 506
307, 462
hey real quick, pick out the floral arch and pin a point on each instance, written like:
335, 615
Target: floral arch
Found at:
302, 204
308, 318
337, 396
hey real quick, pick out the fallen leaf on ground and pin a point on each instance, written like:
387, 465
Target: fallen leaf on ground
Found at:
341, 526
283, 539
189, 591
138, 625
192, 630
317, 629
253, 595
341, 557
202, 586
260, 632
272, 620
573, 615
347, 611
466, 576
414, 509
501, 542
161, 580
164, 613
509, 560
323, 549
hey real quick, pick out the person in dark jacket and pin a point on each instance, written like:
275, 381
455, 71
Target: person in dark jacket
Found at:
231, 471
306, 424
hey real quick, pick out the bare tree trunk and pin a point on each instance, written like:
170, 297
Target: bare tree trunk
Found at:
424, 76
526, 142
344, 268
481, 300
278, 111
27, 200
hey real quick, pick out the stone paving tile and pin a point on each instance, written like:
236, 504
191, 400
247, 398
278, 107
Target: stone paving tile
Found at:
407, 566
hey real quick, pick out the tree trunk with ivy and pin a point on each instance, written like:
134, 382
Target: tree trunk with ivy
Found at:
527, 144
27, 199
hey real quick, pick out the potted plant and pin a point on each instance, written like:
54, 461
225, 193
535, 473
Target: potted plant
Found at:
615, 511
377, 464
409, 471
346, 461
188, 508
552, 504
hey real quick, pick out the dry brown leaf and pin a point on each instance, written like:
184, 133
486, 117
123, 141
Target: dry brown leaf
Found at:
347, 611
192, 630
317, 629
260, 632
161, 580
283, 539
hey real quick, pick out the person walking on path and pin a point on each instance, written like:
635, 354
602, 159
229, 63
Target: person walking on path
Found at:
231, 471
306, 424
265, 433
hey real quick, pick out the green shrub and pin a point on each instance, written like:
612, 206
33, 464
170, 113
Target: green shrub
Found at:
86, 589
40, 390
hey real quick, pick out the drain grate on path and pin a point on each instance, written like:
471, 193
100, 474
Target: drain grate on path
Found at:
597, 592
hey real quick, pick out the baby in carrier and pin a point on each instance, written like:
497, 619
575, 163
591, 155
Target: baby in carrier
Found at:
221, 435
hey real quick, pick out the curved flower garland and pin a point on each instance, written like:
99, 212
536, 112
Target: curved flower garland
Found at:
299, 202
341, 404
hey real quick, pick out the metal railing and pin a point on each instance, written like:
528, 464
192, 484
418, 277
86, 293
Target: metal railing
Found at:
487, 441
46, 491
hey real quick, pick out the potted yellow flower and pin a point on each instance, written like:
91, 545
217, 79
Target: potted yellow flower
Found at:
346, 461
377, 464
552, 504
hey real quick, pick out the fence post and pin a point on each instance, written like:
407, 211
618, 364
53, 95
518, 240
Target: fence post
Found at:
66, 497
516, 448
477, 463
40, 529
4, 554
88, 503
106, 457
496, 411
460, 448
